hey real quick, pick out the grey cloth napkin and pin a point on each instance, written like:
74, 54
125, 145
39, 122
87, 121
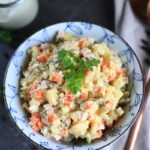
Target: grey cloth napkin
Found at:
132, 30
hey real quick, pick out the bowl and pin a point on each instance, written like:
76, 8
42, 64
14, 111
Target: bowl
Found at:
79, 29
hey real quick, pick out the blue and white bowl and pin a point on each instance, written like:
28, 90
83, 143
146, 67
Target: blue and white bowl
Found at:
114, 42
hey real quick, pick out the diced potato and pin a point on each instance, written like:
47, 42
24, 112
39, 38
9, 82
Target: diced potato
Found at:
65, 109
34, 108
34, 102
120, 82
113, 115
55, 130
74, 116
79, 129
101, 49
44, 130
113, 95
119, 111
67, 36
52, 96
93, 106
35, 52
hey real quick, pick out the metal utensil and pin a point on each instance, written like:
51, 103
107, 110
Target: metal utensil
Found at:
135, 128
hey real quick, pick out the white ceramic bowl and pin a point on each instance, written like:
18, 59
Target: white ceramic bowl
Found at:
114, 42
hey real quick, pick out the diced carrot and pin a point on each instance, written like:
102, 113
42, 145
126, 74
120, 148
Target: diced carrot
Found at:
67, 103
88, 106
106, 64
119, 73
35, 128
35, 86
48, 54
35, 117
64, 133
110, 77
88, 72
42, 58
108, 104
69, 96
56, 77
38, 95
84, 96
40, 124
52, 118
37, 124
80, 43
99, 132
100, 90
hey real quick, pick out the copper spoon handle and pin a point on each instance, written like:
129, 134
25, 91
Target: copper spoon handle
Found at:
135, 128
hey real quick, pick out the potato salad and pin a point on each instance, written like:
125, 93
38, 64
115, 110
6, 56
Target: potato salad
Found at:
73, 88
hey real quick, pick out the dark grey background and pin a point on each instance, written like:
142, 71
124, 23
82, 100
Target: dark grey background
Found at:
99, 12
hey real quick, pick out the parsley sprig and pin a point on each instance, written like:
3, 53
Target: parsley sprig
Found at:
74, 69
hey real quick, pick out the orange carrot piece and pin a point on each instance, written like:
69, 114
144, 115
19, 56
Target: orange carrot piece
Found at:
88, 106
67, 103
38, 95
100, 90
48, 54
110, 77
52, 118
64, 133
42, 58
119, 73
56, 77
88, 72
69, 96
35, 86
35, 128
109, 104
40, 124
84, 96
106, 64
37, 124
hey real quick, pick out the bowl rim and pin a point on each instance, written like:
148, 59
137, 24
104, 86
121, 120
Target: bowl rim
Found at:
124, 41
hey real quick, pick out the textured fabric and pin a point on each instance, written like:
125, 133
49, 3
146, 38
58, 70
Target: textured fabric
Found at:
132, 30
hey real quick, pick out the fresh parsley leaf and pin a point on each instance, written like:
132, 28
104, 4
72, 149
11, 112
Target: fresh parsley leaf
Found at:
6, 36
74, 69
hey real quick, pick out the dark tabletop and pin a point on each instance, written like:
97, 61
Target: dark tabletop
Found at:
99, 12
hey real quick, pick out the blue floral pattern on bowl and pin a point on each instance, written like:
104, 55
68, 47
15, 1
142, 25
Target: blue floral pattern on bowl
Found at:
115, 43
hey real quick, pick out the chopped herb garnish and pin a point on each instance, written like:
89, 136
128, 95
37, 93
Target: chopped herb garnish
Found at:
74, 69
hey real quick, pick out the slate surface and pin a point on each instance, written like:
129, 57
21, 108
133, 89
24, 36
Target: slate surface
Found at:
99, 12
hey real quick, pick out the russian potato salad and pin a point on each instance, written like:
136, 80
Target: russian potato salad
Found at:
73, 88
